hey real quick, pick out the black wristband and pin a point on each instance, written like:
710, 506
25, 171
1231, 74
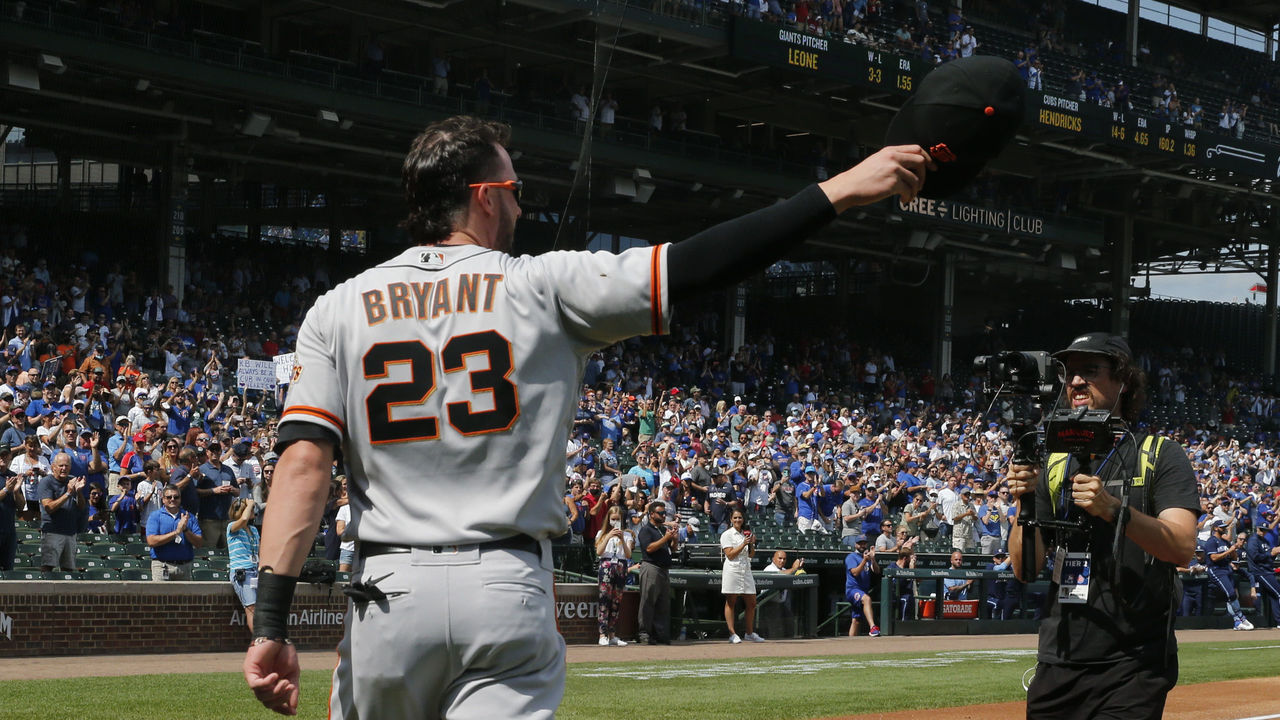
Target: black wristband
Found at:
275, 595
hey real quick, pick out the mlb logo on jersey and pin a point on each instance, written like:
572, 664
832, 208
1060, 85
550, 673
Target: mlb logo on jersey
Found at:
432, 258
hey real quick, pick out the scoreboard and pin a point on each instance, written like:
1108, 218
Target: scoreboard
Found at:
1131, 129
804, 54
783, 47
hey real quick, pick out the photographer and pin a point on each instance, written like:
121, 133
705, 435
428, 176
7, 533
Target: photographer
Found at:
1108, 650
657, 540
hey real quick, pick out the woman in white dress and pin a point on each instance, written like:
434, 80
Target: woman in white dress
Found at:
739, 546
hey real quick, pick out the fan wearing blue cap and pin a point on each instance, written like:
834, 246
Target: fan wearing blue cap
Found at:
1106, 641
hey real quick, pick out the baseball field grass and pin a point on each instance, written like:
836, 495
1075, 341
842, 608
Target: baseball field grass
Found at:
746, 689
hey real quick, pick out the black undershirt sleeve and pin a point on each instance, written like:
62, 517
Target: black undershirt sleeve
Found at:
295, 431
735, 249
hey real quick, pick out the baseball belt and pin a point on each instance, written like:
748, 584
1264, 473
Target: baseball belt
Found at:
515, 542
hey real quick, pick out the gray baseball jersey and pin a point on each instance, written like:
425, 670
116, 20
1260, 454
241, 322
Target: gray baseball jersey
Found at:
451, 375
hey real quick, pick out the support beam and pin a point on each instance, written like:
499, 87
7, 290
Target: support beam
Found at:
1131, 33
1269, 329
1120, 238
946, 312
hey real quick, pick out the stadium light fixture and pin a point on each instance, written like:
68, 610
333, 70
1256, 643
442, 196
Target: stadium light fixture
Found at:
327, 117
255, 124
23, 77
50, 63
933, 241
737, 194
696, 187
641, 174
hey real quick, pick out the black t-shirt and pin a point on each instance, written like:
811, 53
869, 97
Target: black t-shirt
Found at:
1133, 619
719, 496
8, 505
647, 536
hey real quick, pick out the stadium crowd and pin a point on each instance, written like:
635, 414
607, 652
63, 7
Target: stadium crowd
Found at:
119, 416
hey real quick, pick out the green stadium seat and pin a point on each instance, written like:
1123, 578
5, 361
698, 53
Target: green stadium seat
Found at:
137, 548
130, 564
88, 538
100, 575
199, 565
29, 536
343, 577
91, 564
17, 574
59, 575
135, 574
111, 549
206, 574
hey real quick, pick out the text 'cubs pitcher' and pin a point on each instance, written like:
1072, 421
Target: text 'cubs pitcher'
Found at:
449, 374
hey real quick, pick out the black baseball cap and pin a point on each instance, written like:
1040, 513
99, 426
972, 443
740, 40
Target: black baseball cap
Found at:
1098, 343
963, 113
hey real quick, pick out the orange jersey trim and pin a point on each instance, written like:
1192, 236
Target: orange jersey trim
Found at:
316, 412
655, 290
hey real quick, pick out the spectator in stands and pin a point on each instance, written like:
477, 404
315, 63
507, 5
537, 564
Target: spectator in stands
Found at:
11, 500
738, 544
858, 566
31, 466
440, 67
721, 500
989, 517
341, 520
62, 509
966, 43
124, 511
215, 485
242, 552
963, 519
173, 533
1035, 76
956, 588
613, 546
151, 483
808, 493
99, 517
782, 497
886, 537
656, 541
689, 532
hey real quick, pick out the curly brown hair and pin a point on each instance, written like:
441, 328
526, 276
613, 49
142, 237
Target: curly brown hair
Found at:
1133, 399
444, 160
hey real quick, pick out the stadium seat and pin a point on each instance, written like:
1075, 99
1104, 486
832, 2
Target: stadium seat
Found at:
100, 574
59, 575
17, 574
135, 574
207, 575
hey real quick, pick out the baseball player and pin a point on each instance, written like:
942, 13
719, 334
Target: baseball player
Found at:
1261, 557
1221, 554
858, 567
447, 376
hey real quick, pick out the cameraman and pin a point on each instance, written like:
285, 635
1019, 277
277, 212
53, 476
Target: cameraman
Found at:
1109, 651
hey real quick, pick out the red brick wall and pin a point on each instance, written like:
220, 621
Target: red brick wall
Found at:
52, 618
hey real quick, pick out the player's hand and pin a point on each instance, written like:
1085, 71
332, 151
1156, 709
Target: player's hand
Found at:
1022, 480
1089, 495
893, 170
271, 670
